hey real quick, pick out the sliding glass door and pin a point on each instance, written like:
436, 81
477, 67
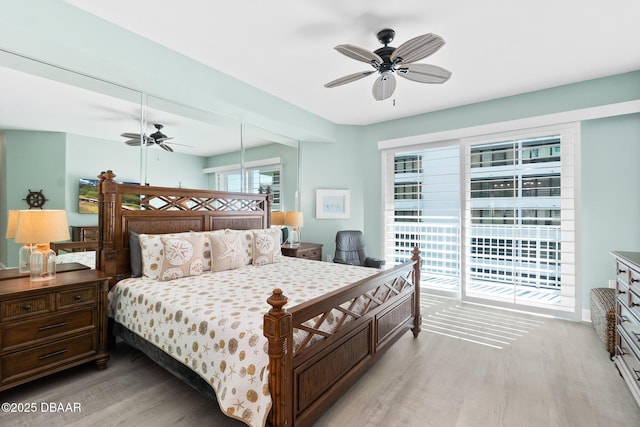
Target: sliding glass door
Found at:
493, 216
425, 212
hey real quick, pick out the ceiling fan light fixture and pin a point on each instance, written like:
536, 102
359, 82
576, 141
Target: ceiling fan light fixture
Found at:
387, 60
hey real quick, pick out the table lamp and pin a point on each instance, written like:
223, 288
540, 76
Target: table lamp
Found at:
277, 218
26, 249
294, 219
42, 227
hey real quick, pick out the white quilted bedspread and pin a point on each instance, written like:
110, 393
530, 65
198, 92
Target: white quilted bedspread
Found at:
213, 322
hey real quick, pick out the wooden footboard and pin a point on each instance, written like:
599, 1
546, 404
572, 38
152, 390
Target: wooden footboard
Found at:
309, 376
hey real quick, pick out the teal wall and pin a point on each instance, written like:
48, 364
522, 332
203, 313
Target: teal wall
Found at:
162, 169
332, 156
34, 161
610, 189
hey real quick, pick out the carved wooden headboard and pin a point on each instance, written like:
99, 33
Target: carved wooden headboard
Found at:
166, 210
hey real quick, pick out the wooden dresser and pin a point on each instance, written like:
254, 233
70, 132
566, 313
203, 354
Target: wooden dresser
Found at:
84, 233
628, 319
303, 250
52, 325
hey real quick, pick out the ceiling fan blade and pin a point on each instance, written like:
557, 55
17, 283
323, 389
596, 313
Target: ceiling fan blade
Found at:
359, 53
165, 147
384, 86
182, 145
130, 135
417, 48
163, 139
348, 79
133, 142
424, 73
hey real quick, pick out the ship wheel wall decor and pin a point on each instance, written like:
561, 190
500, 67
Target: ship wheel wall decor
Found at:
35, 199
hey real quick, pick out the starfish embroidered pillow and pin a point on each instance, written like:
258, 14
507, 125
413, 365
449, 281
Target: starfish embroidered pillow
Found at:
227, 251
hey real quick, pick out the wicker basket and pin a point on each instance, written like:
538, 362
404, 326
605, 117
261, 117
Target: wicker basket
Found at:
603, 316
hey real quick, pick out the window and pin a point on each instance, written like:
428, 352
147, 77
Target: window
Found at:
494, 216
257, 176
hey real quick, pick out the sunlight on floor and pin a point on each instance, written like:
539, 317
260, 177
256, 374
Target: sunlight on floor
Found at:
479, 325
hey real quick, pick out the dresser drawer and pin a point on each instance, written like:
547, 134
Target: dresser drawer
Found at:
24, 307
84, 233
622, 273
634, 280
629, 359
29, 362
634, 302
76, 297
629, 327
312, 253
31, 331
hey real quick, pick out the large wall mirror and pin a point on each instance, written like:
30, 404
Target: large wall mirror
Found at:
58, 128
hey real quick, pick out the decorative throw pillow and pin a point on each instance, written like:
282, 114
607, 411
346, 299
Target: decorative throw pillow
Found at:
206, 252
152, 251
227, 251
182, 256
135, 254
266, 246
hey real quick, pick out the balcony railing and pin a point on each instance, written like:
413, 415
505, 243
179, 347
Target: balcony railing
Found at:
497, 255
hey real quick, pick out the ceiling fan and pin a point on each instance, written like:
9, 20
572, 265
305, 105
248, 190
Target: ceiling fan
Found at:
157, 138
389, 60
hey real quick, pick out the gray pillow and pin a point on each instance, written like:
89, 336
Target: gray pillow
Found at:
135, 254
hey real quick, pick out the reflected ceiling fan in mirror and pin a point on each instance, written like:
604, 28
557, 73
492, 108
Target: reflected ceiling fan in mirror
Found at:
157, 138
389, 60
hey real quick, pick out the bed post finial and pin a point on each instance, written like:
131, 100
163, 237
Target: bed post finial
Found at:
417, 318
107, 176
278, 330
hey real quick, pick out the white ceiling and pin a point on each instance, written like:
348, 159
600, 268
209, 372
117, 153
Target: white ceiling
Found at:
494, 48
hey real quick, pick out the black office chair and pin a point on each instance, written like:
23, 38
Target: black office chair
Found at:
350, 249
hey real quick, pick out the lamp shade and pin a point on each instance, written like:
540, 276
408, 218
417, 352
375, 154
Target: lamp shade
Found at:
41, 226
12, 224
293, 219
277, 218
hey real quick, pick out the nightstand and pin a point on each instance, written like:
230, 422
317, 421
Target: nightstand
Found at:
49, 326
303, 250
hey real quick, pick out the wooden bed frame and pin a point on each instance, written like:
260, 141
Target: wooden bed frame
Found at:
303, 382
73, 246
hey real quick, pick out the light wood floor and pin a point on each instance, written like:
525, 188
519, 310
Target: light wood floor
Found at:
471, 366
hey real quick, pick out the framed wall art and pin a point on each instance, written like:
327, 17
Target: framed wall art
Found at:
333, 204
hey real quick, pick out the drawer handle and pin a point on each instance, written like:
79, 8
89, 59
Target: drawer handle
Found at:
635, 371
57, 325
77, 298
636, 334
622, 292
620, 271
624, 319
26, 307
634, 280
634, 304
55, 353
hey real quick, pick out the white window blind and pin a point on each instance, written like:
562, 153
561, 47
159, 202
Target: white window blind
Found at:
494, 215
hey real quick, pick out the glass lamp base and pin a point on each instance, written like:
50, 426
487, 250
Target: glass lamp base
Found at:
43, 263
24, 261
